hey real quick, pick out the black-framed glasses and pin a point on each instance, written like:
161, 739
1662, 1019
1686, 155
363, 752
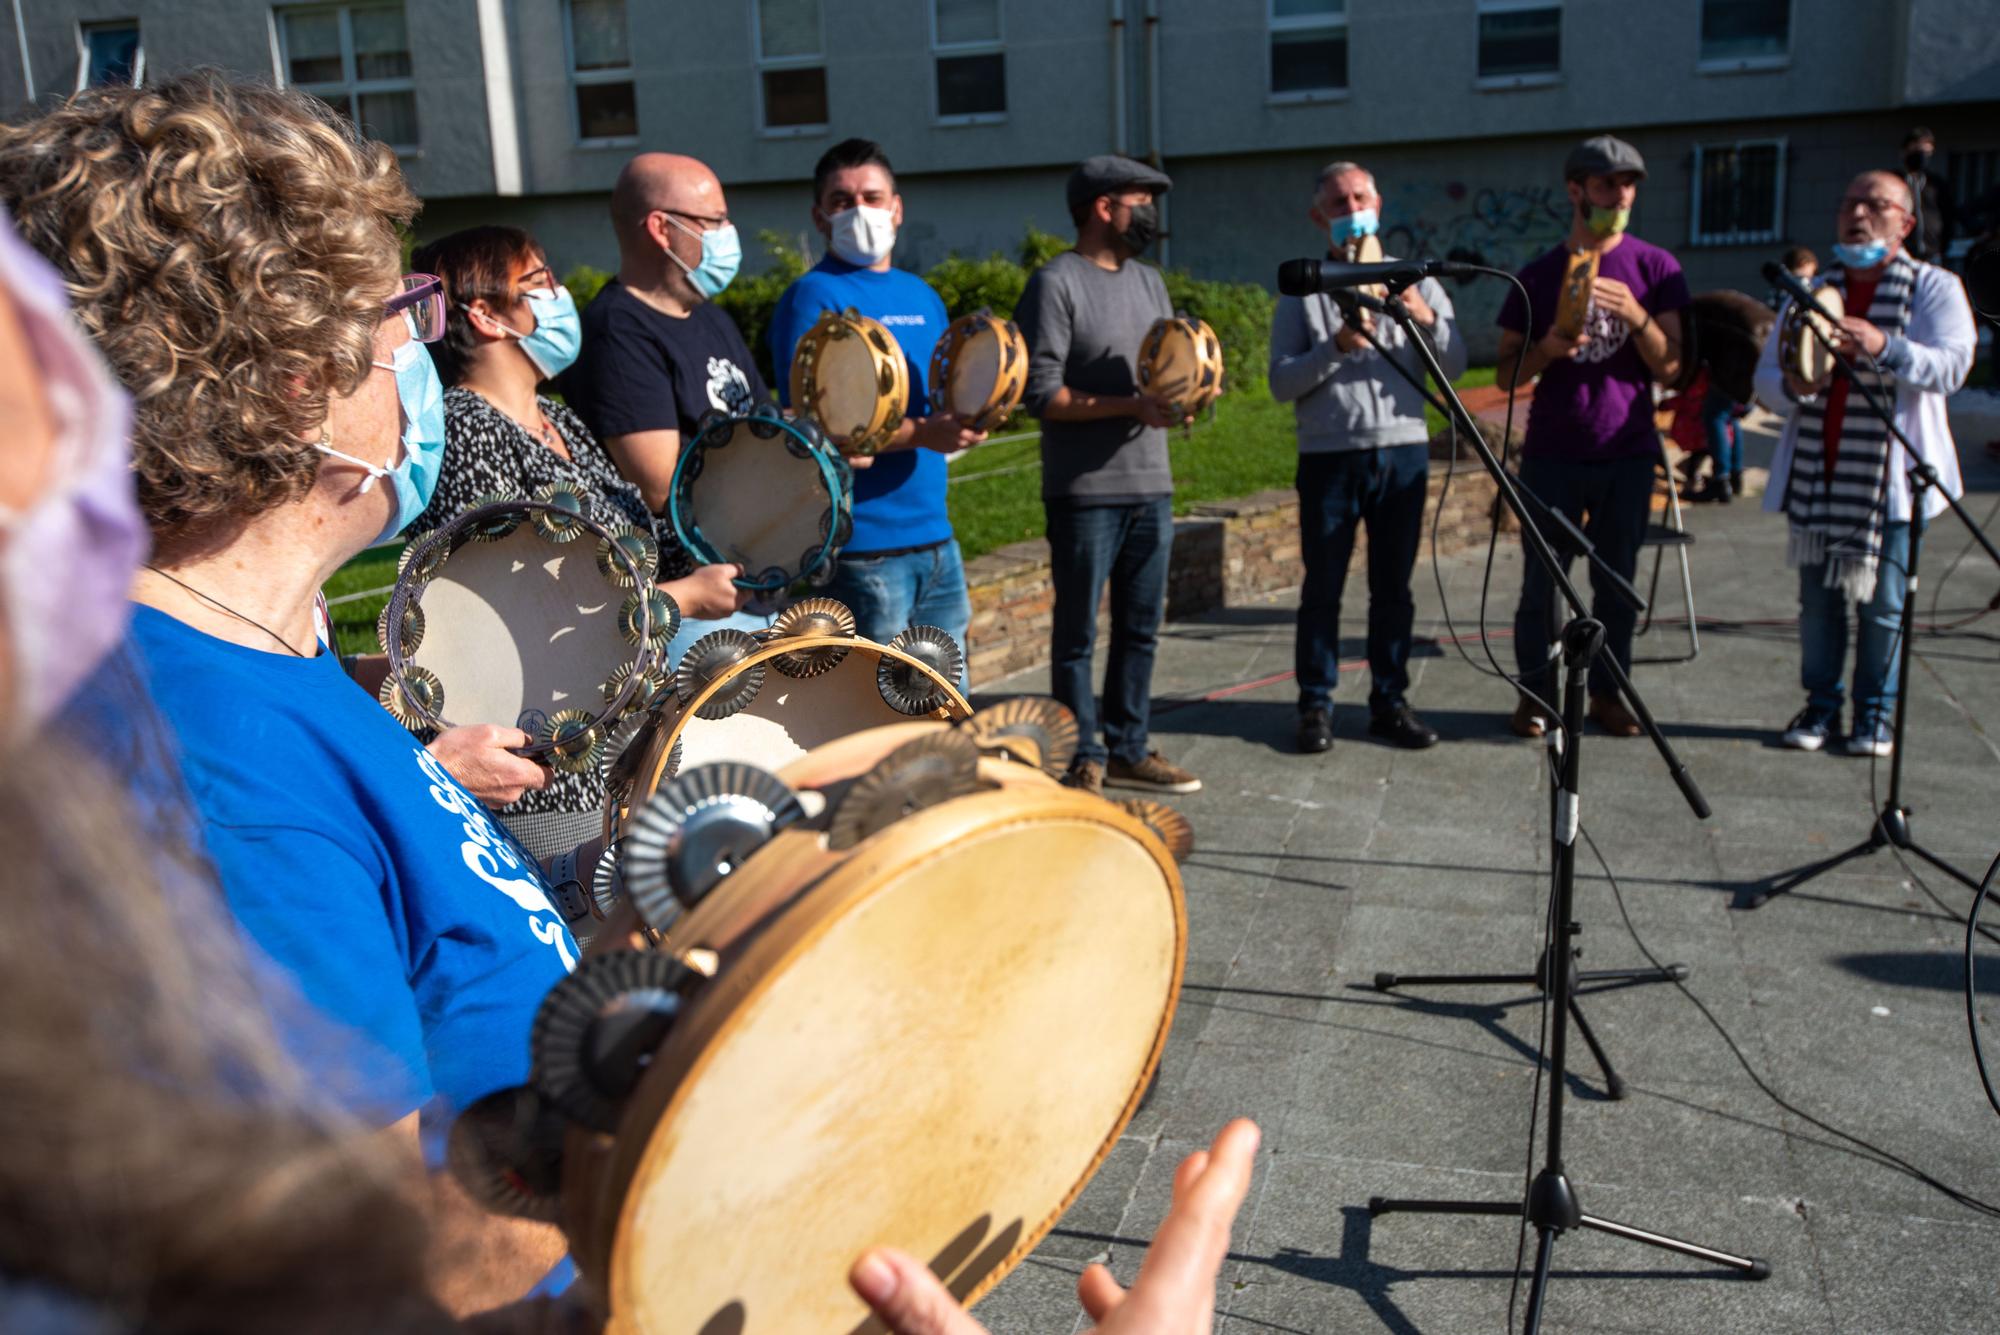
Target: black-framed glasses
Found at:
421, 304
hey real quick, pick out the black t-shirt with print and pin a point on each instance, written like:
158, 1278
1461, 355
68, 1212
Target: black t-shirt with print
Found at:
642, 370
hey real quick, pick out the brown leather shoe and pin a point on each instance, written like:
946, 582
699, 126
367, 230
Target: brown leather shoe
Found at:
1087, 775
1154, 774
1609, 713
1528, 720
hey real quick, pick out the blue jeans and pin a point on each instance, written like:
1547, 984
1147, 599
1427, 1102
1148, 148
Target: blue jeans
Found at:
1129, 546
1725, 441
1383, 488
1610, 501
1823, 636
889, 594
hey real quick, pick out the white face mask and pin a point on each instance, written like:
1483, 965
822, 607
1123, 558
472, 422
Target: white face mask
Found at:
862, 235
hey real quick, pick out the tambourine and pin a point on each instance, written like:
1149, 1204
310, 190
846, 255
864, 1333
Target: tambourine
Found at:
1367, 250
1180, 361
767, 699
1800, 354
527, 612
767, 493
907, 991
849, 376
979, 370
1578, 289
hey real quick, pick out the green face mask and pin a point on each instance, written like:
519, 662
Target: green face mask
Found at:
1606, 222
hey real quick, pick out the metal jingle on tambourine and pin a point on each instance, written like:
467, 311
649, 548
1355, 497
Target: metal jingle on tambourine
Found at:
1032, 729
640, 547
597, 1029
495, 526
1168, 825
697, 829
574, 740
712, 658
506, 1151
648, 694
932, 769
411, 694
411, 636
903, 687
607, 882
564, 520
663, 617
420, 560
818, 617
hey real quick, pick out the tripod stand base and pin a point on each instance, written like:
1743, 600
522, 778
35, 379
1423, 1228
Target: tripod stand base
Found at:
1752, 1267
1891, 830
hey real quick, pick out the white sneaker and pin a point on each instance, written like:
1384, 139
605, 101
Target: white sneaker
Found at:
1809, 730
1878, 742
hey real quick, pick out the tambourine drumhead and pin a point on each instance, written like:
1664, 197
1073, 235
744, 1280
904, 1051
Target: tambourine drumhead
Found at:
1578, 286
1367, 250
1181, 362
1799, 352
849, 375
979, 370
925, 1048
752, 493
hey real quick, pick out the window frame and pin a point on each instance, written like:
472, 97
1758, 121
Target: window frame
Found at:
1746, 64
994, 46
1776, 231
591, 78
352, 86
1273, 25
1500, 83
760, 63
85, 27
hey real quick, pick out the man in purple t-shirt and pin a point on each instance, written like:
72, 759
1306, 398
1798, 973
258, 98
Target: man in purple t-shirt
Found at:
1591, 445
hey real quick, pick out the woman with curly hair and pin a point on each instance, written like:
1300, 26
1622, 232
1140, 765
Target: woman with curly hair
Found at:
233, 251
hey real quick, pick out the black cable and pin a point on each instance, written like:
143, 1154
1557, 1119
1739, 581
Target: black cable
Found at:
1972, 985
1951, 568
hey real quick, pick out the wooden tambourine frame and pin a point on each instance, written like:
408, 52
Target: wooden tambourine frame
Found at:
768, 494
1578, 287
1800, 354
847, 355
1180, 361
979, 370
1367, 250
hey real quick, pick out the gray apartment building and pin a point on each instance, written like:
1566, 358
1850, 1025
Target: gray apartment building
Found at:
1751, 113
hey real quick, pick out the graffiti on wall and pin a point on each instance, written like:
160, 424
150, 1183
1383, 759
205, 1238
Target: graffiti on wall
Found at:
1502, 226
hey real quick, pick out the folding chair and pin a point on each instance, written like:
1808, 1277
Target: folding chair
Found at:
1661, 537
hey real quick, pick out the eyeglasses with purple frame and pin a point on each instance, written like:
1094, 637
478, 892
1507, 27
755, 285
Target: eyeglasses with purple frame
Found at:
421, 303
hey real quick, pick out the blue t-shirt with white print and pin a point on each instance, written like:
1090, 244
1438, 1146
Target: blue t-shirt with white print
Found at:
899, 500
398, 905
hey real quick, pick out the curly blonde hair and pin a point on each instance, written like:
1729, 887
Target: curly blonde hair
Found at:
229, 245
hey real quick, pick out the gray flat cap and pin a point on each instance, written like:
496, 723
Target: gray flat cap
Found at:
1107, 174
1603, 155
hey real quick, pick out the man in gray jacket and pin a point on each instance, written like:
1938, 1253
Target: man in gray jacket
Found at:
1363, 457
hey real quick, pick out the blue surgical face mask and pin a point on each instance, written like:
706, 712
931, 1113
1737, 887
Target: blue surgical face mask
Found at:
557, 337
415, 479
1361, 222
721, 256
1862, 256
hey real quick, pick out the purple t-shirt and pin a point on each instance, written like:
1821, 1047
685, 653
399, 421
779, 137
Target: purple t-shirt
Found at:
1599, 403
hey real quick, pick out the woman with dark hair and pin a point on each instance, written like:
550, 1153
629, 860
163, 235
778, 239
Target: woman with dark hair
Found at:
509, 326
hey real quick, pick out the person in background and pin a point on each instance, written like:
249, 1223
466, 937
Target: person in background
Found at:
1107, 485
1842, 483
1936, 219
657, 355
902, 565
1591, 445
1364, 457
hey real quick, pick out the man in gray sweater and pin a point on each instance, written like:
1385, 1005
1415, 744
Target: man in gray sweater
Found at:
1363, 458
1106, 483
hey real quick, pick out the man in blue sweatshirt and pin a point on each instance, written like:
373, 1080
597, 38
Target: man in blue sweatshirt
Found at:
1363, 458
901, 567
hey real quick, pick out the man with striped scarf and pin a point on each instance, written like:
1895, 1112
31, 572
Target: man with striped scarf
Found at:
1839, 479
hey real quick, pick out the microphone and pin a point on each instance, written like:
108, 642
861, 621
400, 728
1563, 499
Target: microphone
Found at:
1299, 278
1778, 276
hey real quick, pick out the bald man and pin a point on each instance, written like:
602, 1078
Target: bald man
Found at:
1840, 480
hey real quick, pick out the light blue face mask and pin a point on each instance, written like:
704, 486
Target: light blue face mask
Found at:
557, 337
1861, 257
721, 256
1361, 222
415, 479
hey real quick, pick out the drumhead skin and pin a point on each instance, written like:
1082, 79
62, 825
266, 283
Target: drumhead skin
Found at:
1573, 302
923, 1047
979, 369
768, 494
849, 375
1798, 351
1181, 362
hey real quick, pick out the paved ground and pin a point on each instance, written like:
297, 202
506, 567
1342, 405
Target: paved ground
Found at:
1314, 873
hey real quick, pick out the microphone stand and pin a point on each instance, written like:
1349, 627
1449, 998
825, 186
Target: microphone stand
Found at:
1551, 1203
1891, 827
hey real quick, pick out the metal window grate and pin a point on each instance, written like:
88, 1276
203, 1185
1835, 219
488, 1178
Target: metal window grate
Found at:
1739, 193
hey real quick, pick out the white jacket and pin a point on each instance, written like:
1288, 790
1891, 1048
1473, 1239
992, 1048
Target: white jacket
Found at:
1930, 360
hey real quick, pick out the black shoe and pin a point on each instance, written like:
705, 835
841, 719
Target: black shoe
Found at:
1315, 730
1399, 726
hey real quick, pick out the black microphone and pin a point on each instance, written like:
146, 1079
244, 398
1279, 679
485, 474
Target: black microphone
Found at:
1299, 278
1778, 276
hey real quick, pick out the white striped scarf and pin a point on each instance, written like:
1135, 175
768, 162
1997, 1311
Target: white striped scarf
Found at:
1836, 515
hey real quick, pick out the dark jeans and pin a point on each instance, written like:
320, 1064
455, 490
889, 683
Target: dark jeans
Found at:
1725, 440
1611, 502
1129, 546
1383, 488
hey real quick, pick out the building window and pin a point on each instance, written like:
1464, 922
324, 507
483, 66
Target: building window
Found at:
1520, 42
356, 58
1739, 193
1975, 190
791, 66
1740, 34
600, 71
109, 54
1308, 48
971, 68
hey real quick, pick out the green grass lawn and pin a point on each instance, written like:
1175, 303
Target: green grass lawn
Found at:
996, 490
